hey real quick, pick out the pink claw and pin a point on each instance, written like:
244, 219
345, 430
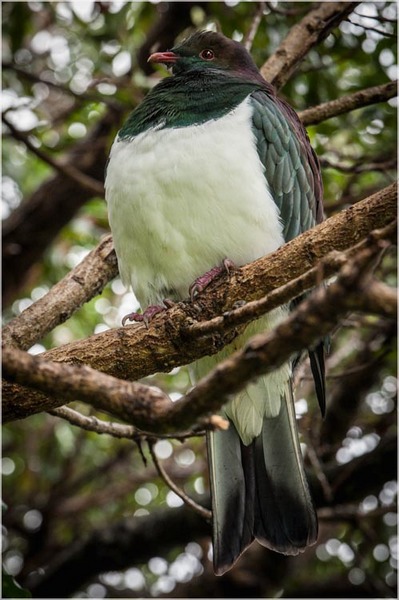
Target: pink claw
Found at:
149, 313
203, 281
144, 317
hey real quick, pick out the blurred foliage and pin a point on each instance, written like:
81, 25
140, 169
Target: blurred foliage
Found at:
64, 63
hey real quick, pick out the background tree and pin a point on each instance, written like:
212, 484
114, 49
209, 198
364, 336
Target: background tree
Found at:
96, 515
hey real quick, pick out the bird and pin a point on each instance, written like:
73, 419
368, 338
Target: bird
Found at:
213, 168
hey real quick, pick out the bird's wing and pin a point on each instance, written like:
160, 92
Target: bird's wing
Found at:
291, 166
292, 172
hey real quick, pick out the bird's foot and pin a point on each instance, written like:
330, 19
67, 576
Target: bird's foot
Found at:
204, 280
149, 313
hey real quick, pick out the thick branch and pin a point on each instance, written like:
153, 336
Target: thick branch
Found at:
311, 30
150, 410
251, 282
164, 346
310, 322
381, 298
126, 399
81, 284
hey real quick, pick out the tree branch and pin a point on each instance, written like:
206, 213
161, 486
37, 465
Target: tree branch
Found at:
256, 20
81, 284
203, 512
252, 282
73, 382
380, 299
164, 345
322, 112
375, 30
385, 305
149, 409
362, 166
91, 423
311, 30
90, 184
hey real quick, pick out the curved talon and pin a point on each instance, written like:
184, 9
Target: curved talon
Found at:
203, 281
169, 303
146, 316
133, 316
229, 265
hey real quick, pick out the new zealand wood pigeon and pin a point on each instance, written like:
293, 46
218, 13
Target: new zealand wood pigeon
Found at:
212, 165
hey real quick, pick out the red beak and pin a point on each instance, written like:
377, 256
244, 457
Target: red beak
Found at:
163, 57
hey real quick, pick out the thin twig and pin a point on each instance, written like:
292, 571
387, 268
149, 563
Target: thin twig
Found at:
87, 96
360, 167
350, 512
287, 12
322, 112
68, 170
354, 370
118, 430
380, 18
374, 29
251, 33
92, 423
204, 512
321, 476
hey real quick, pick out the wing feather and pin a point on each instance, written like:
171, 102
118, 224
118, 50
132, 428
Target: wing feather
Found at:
292, 172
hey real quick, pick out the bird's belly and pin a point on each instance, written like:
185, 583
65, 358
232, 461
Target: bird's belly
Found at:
181, 200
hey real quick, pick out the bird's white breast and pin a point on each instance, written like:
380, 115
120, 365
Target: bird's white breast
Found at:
181, 200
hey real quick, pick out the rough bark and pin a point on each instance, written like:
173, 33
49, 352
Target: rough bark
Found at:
166, 344
310, 31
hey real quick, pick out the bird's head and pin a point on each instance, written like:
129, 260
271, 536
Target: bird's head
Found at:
208, 50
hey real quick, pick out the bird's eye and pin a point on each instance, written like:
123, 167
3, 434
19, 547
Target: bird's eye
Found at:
207, 54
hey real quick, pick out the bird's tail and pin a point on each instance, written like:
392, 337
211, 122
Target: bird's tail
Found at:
260, 490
